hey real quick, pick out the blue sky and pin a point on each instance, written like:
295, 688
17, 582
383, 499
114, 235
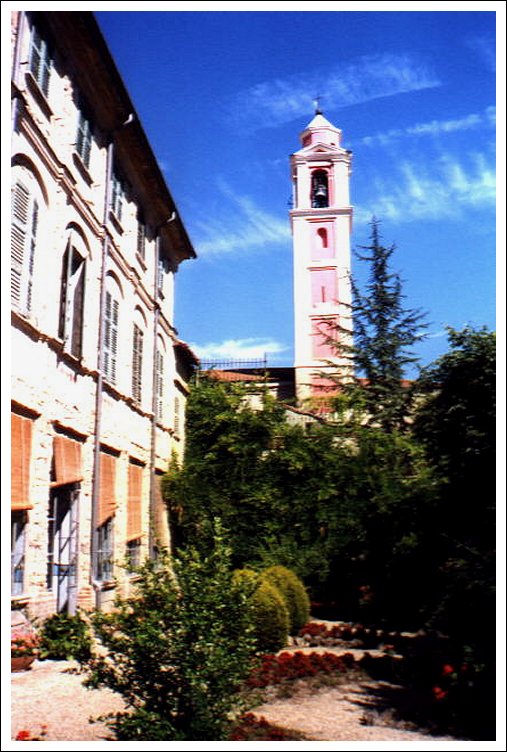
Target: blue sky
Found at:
223, 97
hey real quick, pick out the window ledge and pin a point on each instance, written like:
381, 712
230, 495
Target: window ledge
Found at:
116, 222
106, 585
19, 601
82, 168
142, 263
38, 95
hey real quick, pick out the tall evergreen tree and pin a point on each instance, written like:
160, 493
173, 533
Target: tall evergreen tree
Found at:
384, 334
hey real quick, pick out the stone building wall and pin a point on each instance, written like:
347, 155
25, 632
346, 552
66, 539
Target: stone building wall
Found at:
53, 388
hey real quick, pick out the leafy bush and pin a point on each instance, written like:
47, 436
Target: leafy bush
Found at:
293, 592
271, 618
178, 651
65, 636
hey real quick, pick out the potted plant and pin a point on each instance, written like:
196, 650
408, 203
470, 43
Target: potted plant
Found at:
24, 642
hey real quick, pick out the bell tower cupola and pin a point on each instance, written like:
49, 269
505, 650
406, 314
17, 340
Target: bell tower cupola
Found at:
321, 220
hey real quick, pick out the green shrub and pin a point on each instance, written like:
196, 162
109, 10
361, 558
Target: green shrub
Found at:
271, 618
246, 578
65, 636
178, 652
293, 592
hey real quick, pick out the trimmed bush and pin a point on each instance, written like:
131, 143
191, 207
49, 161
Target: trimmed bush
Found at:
271, 618
293, 592
247, 579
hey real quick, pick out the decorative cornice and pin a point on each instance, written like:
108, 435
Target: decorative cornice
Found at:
320, 214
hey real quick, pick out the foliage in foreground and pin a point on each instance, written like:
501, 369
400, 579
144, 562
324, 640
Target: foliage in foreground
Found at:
178, 652
65, 636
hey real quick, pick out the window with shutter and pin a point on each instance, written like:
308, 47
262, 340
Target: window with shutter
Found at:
117, 196
70, 327
24, 219
21, 451
106, 511
40, 61
111, 338
107, 487
141, 236
67, 461
137, 363
134, 514
84, 139
161, 272
159, 367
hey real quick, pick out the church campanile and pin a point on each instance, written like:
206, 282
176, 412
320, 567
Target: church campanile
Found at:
321, 220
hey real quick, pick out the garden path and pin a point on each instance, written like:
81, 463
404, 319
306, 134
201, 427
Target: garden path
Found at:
49, 695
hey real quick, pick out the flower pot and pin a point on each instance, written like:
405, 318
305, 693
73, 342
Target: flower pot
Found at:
21, 662
23, 642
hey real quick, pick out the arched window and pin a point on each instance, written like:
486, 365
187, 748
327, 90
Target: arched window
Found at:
322, 233
72, 290
27, 202
320, 189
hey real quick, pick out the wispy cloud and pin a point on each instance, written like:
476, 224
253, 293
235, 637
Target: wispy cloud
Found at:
252, 348
485, 49
487, 118
281, 100
443, 191
243, 226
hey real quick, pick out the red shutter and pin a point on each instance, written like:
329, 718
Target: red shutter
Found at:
134, 525
67, 455
21, 447
107, 489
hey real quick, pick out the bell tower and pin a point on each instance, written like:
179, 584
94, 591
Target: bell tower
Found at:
321, 220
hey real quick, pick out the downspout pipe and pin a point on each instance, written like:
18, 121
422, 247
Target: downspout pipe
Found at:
152, 541
96, 584
100, 379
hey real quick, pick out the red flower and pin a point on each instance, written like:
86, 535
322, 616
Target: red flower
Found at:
447, 669
439, 693
23, 736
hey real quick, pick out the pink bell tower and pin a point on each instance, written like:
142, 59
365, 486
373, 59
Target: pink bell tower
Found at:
321, 220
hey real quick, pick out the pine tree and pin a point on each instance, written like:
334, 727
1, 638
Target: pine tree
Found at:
384, 333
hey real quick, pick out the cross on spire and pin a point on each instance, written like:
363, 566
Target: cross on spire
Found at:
316, 102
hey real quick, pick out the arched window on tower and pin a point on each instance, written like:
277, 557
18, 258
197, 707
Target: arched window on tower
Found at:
320, 189
322, 233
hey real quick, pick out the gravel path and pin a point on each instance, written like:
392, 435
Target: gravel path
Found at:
47, 694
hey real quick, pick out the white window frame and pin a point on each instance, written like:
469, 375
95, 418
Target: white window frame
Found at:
19, 521
105, 551
73, 280
133, 553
